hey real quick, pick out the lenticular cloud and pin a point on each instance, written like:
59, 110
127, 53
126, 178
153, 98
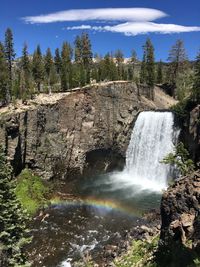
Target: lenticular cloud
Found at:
136, 28
101, 14
134, 21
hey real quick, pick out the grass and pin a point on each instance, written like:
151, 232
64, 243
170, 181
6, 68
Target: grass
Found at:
31, 191
140, 254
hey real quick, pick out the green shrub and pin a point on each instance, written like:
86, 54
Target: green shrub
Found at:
180, 158
140, 254
31, 191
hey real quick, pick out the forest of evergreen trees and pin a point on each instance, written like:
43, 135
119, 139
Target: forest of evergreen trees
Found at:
70, 67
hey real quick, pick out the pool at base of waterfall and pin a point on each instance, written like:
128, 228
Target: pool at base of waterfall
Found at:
74, 229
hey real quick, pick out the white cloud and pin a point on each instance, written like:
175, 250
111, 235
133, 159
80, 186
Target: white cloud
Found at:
81, 27
136, 20
136, 28
102, 14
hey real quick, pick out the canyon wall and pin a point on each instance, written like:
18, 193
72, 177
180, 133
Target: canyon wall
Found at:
55, 137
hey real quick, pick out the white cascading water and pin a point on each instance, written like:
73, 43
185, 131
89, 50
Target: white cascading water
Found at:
151, 141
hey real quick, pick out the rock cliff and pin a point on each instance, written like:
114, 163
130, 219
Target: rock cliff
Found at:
190, 134
180, 208
180, 229
55, 137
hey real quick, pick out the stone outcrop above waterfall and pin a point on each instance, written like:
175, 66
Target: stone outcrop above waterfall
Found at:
55, 134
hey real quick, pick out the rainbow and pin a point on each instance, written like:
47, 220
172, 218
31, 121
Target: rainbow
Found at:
102, 205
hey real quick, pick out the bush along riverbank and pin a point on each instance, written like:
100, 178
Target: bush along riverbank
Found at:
32, 192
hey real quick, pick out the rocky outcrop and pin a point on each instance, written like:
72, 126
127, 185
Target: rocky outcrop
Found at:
180, 207
180, 230
55, 138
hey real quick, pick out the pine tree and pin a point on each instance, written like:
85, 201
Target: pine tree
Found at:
10, 56
133, 63
119, 61
26, 69
12, 219
196, 85
147, 74
79, 71
38, 68
160, 73
86, 54
109, 69
57, 60
143, 71
113, 69
150, 64
83, 59
4, 76
86, 50
177, 58
19, 85
16, 86
105, 68
48, 62
66, 67
95, 68
53, 77
78, 50
25, 61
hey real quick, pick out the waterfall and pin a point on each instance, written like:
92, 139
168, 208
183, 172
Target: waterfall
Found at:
151, 141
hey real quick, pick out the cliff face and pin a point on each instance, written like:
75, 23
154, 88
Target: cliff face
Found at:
55, 138
180, 230
180, 208
191, 133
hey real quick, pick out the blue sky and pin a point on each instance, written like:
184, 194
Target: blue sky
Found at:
109, 29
